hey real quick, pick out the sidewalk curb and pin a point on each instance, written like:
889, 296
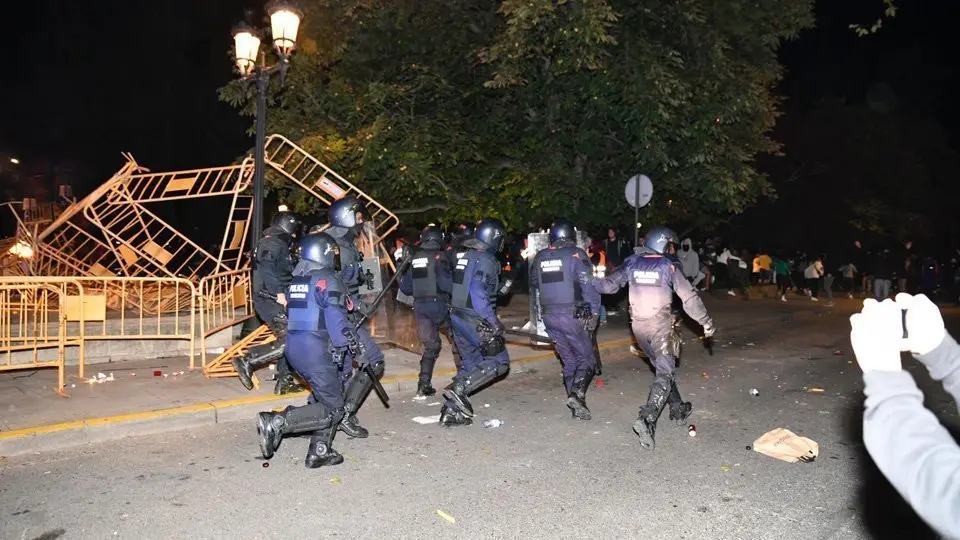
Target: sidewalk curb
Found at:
75, 433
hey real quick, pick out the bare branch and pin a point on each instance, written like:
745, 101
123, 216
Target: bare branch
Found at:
420, 210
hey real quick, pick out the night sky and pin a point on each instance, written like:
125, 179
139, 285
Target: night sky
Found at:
88, 79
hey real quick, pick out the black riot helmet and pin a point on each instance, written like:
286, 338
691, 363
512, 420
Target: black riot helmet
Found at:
562, 230
463, 231
659, 239
431, 235
347, 212
322, 249
287, 222
492, 233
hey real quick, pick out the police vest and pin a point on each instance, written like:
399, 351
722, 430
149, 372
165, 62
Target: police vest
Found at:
559, 286
303, 311
423, 269
474, 265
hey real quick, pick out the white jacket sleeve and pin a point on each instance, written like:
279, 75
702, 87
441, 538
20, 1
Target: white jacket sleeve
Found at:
916, 454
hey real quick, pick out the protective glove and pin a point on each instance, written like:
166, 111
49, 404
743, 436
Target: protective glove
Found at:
709, 329
924, 324
488, 331
590, 323
876, 334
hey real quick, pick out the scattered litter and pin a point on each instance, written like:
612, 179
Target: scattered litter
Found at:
179, 373
748, 447
73, 386
100, 378
754, 392
492, 423
446, 516
692, 430
725, 468
750, 344
266, 464
419, 398
704, 375
838, 353
164, 375
336, 481
133, 374
849, 361
432, 404
599, 382
426, 419
273, 367
157, 373
786, 445
486, 405
596, 432
731, 422
815, 390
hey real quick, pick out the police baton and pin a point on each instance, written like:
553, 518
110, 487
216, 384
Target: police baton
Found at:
530, 335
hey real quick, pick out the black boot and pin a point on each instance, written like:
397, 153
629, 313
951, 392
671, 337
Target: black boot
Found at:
467, 384
679, 410
272, 426
577, 399
256, 358
425, 389
321, 452
646, 424
356, 390
351, 426
450, 417
680, 413
457, 398
286, 384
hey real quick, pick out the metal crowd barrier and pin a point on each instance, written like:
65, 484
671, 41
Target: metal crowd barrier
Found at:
26, 310
225, 301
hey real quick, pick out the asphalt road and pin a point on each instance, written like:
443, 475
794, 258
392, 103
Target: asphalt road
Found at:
540, 475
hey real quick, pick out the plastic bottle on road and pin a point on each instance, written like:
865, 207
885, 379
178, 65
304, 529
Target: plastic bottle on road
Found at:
493, 423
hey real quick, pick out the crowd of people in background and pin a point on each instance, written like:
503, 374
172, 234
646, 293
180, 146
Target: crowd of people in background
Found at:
718, 266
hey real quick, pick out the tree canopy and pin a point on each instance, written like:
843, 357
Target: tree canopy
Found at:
531, 109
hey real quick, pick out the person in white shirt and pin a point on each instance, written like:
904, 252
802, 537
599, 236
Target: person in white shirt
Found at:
813, 274
690, 262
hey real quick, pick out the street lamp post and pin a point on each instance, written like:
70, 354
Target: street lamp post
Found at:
284, 23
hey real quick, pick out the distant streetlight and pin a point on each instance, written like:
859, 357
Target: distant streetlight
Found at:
284, 24
15, 161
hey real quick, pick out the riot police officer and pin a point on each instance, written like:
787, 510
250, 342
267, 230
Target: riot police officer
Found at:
477, 331
560, 275
346, 217
273, 263
429, 280
320, 340
654, 275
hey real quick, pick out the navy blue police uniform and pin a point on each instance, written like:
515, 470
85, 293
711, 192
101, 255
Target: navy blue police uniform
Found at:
653, 278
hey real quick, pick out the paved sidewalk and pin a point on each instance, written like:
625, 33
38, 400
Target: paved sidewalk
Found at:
35, 418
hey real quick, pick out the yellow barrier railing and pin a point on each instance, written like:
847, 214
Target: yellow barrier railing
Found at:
123, 308
25, 323
225, 301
